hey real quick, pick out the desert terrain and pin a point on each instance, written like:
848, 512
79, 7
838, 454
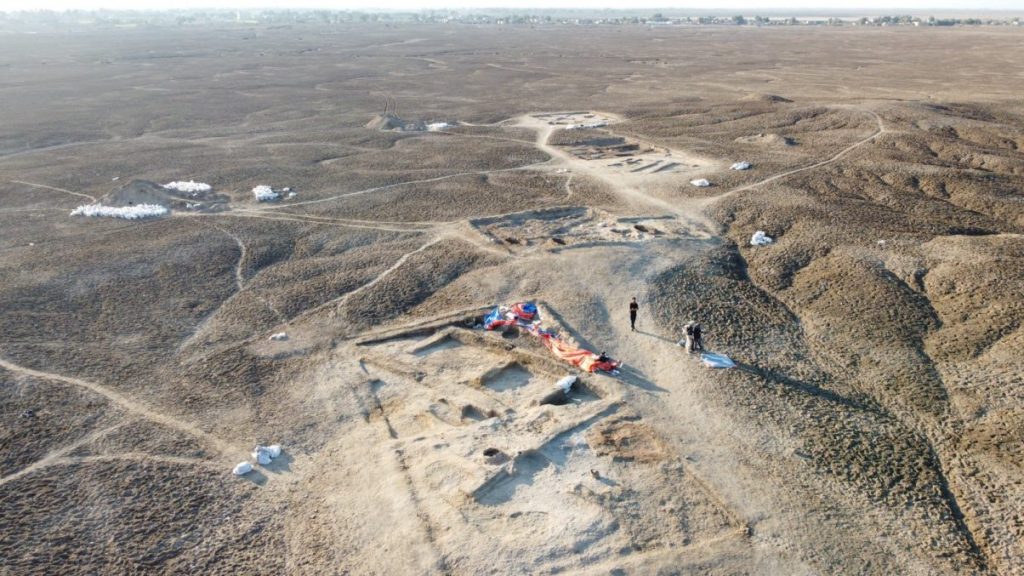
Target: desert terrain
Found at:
422, 174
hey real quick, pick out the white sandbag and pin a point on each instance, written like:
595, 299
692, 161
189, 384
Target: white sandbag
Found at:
261, 455
126, 212
190, 186
242, 469
700, 183
274, 450
760, 239
740, 166
279, 336
565, 384
265, 193
717, 360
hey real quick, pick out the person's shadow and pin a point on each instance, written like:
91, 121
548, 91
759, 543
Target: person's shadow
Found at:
653, 335
635, 377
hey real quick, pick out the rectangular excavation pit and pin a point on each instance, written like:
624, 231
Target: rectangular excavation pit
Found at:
501, 488
437, 343
511, 376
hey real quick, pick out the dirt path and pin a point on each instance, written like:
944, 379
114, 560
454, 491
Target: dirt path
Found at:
239, 267
340, 300
629, 192
398, 184
130, 405
57, 455
288, 217
55, 189
240, 284
881, 130
665, 383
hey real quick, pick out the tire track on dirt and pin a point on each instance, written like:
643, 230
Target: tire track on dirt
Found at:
288, 217
697, 224
239, 274
879, 131
383, 225
240, 279
56, 455
55, 189
340, 300
128, 404
397, 184
239, 288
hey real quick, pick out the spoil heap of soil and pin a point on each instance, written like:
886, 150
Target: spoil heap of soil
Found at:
767, 140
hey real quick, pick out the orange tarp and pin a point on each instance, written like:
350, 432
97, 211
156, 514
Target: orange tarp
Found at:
584, 359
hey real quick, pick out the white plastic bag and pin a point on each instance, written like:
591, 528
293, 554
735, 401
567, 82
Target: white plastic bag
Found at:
760, 239
261, 455
565, 384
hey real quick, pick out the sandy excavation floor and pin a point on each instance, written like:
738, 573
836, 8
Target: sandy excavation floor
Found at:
874, 423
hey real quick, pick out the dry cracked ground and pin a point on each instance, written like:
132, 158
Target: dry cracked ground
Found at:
873, 425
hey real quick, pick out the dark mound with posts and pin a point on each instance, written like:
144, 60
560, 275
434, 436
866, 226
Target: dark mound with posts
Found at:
390, 121
145, 192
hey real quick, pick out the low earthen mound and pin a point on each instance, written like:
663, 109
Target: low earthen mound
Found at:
771, 98
767, 140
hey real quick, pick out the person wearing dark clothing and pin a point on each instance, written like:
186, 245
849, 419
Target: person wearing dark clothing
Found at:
633, 307
603, 357
697, 343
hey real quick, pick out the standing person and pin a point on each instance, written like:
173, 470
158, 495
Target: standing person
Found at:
697, 343
689, 336
633, 307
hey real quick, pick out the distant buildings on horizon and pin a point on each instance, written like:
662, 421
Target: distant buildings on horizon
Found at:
481, 17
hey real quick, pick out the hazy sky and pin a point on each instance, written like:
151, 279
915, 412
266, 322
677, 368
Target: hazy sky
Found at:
881, 6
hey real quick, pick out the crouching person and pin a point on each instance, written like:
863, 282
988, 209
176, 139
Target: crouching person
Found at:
687, 340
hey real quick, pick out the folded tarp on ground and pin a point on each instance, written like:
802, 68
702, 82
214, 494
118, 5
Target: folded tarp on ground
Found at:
521, 313
582, 359
717, 360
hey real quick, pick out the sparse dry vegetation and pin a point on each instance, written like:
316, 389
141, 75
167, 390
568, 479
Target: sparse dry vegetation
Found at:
874, 423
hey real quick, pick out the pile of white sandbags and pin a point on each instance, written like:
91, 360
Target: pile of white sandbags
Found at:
263, 455
127, 212
265, 193
190, 186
